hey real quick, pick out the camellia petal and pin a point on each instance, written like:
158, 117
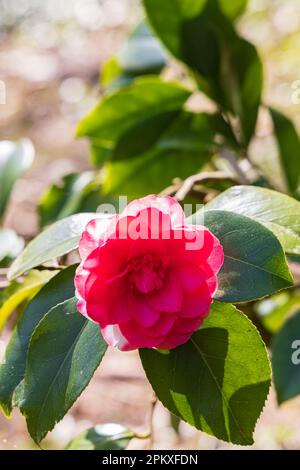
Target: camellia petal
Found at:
147, 278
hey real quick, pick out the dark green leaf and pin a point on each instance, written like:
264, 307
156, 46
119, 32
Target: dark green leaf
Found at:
227, 67
255, 265
15, 159
289, 149
179, 152
64, 352
286, 359
108, 436
151, 173
219, 380
278, 212
76, 192
58, 289
137, 140
57, 240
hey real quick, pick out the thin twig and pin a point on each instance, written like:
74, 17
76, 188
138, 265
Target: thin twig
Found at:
230, 158
211, 176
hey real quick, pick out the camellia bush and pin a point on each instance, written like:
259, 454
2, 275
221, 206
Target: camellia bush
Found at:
205, 295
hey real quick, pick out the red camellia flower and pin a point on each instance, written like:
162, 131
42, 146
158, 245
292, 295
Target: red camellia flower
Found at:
146, 277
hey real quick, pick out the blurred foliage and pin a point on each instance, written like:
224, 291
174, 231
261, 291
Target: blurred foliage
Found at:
151, 132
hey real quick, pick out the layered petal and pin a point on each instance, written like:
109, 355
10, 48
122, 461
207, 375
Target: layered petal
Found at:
146, 277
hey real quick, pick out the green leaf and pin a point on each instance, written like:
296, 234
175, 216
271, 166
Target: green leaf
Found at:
119, 112
56, 240
111, 69
15, 159
227, 67
143, 53
64, 352
219, 380
58, 289
233, 8
179, 152
17, 292
289, 149
254, 265
76, 192
108, 436
286, 359
151, 173
274, 310
11, 245
278, 212
128, 122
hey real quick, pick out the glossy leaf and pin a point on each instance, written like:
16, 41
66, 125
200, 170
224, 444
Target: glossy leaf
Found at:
17, 292
219, 380
286, 359
56, 240
15, 159
58, 289
119, 112
72, 348
276, 211
227, 67
108, 436
151, 173
179, 152
255, 265
289, 149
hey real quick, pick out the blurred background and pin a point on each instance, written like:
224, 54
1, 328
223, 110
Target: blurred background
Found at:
51, 54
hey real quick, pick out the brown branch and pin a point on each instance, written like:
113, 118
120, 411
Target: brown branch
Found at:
230, 158
208, 176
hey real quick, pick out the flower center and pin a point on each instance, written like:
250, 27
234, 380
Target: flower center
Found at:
146, 273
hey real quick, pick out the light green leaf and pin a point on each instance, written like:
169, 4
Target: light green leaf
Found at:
17, 292
219, 380
56, 240
110, 71
286, 359
119, 112
15, 159
254, 265
57, 290
233, 8
289, 149
278, 212
64, 352
108, 436
274, 310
